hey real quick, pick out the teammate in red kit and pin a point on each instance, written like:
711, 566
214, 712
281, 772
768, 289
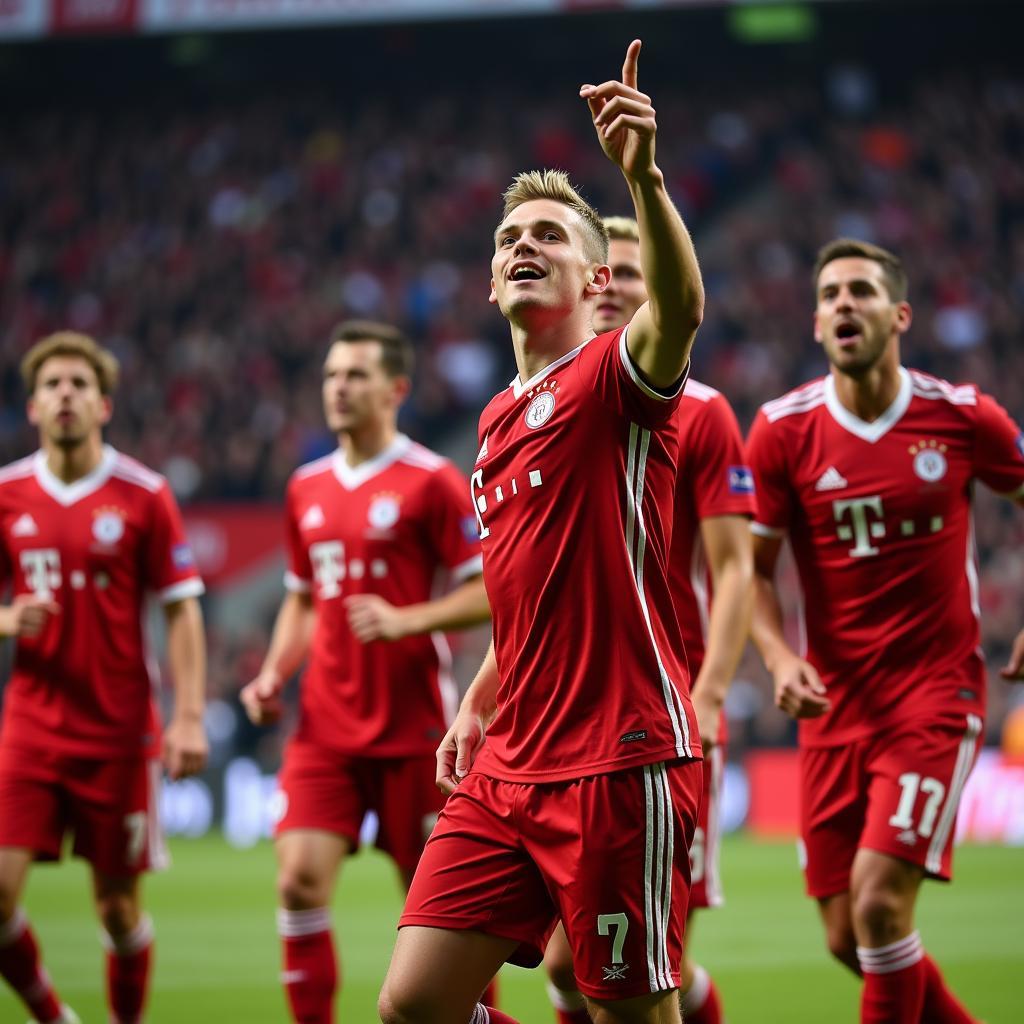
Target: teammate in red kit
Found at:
870, 471
583, 800
710, 550
85, 534
370, 528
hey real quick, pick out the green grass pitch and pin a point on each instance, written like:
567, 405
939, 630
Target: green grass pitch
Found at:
217, 954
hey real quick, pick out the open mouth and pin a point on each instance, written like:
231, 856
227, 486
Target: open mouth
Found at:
526, 272
847, 332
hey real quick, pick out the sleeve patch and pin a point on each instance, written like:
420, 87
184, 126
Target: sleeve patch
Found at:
741, 480
470, 529
182, 557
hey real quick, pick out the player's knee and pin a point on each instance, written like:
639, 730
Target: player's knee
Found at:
300, 888
842, 945
559, 966
395, 1008
878, 914
118, 913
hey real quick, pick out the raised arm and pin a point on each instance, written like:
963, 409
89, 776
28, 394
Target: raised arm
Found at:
799, 690
185, 745
661, 332
289, 644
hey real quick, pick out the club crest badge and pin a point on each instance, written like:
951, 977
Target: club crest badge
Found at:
929, 461
383, 512
539, 411
108, 527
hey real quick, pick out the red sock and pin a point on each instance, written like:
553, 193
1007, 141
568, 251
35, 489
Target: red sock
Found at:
310, 972
490, 996
940, 1005
21, 968
570, 1007
129, 960
894, 977
488, 1015
700, 1002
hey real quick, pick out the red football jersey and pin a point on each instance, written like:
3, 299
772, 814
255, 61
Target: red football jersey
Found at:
574, 487
713, 480
96, 547
879, 518
399, 526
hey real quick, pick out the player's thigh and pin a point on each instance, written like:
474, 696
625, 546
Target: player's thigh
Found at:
833, 809
615, 849
319, 789
476, 875
657, 1008
705, 872
917, 775
115, 813
407, 801
33, 805
438, 974
558, 960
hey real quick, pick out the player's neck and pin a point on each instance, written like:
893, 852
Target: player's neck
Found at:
537, 347
366, 444
868, 395
71, 463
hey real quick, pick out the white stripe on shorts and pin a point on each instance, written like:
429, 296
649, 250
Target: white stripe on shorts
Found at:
658, 858
964, 763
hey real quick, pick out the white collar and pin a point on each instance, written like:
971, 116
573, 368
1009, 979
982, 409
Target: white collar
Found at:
878, 428
518, 388
67, 494
351, 477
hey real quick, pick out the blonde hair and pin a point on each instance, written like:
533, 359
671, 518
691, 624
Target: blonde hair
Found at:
622, 229
70, 343
555, 185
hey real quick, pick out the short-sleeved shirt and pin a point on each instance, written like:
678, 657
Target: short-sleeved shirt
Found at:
879, 518
96, 547
574, 487
713, 480
400, 526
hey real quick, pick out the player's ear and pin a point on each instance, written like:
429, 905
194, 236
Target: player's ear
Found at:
32, 413
904, 317
817, 329
599, 277
107, 410
493, 297
402, 387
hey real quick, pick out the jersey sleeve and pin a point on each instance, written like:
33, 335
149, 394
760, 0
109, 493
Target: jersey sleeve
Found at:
298, 574
713, 465
766, 456
607, 368
998, 456
452, 525
170, 564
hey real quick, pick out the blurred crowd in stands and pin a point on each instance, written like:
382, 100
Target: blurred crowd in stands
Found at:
214, 248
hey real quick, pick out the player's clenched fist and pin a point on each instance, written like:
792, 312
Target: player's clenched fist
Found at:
624, 118
262, 698
799, 690
27, 615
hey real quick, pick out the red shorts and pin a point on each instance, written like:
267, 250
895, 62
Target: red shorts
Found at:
896, 792
705, 872
606, 854
111, 806
322, 789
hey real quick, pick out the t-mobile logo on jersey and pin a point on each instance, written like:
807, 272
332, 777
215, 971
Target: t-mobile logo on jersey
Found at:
862, 527
42, 571
330, 568
498, 494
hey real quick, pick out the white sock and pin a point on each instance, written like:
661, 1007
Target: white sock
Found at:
565, 1000
697, 994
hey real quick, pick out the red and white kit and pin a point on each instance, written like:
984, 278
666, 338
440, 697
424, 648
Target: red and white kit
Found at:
81, 693
879, 517
399, 526
713, 480
573, 489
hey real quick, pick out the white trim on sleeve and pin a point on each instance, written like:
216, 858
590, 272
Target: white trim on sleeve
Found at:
634, 374
764, 530
296, 584
193, 587
471, 567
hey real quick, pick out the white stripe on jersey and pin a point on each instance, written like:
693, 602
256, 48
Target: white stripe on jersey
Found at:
935, 388
159, 858
128, 469
19, 469
964, 763
702, 392
658, 854
316, 466
699, 583
636, 535
972, 567
804, 400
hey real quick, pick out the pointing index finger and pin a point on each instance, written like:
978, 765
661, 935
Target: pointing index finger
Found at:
630, 63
